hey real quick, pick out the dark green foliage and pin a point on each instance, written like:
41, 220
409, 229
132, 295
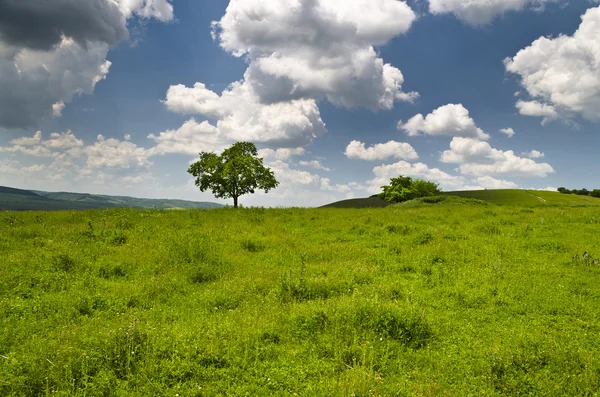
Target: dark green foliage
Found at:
64, 263
404, 188
253, 246
582, 192
234, 173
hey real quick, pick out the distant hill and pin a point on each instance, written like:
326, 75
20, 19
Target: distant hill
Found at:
529, 198
21, 200
371, 202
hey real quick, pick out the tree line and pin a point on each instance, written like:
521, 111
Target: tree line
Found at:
582, 192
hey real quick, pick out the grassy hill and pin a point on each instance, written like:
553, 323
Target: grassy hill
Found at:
528, 198
20, 200
371, 202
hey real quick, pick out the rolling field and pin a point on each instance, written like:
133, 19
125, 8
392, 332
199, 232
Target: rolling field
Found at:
512, 197
529, 198
413, 300
29, 200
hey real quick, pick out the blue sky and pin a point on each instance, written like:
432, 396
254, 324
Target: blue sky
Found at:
339, 95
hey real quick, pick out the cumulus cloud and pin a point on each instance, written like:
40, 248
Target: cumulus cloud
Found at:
191, 138
450, 120
508, 132
481, 12
113, 153
356, 150
64, 140
492, 183
534, 154
283, 154
63, 161
161, 10
315, 164
299, 49
537, 109
53, 50
241, 117
480, 159
562, 74
36, 139
384, 173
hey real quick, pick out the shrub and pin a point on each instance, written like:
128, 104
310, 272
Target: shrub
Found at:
404, 188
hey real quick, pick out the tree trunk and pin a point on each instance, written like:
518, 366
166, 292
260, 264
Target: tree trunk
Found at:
235, 202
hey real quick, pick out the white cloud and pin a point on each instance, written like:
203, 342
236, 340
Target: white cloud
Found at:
161, 10
241, 117
113, 153
29, 150
315, 164
57, 109
534, 154
384, 173
191, 138
283, 154
480, 159
508, 132
71, 164
491, 183
562, 73
286, 175
64, 140
450, 120
327, 186
481, 12
26, 141
380, 151
15, 168
537, 109
312, 49
299, 187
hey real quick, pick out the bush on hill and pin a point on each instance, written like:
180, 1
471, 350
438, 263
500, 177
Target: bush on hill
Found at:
404, 188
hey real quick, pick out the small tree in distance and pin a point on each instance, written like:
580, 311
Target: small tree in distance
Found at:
404, 188
237, 171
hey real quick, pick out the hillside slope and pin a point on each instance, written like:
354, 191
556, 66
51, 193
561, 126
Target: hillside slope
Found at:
528, 198
371, 202
23, 200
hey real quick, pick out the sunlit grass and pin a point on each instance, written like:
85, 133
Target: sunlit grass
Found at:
424, 299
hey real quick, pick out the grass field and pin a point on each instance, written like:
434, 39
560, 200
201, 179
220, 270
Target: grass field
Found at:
421, 300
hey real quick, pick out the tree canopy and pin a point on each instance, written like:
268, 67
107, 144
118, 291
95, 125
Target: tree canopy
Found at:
237, 171
404, 188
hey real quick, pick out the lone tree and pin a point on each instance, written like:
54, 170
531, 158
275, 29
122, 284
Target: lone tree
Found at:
237, 171
404, 188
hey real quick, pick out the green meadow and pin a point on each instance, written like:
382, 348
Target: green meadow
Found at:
457, 298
